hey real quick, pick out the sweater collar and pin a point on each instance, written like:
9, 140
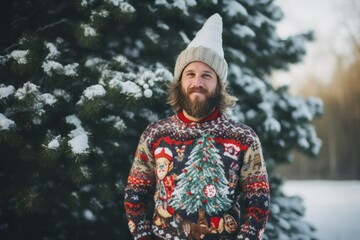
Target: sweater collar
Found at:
215, 114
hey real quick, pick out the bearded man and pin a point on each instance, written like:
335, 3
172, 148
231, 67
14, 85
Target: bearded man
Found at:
213, 194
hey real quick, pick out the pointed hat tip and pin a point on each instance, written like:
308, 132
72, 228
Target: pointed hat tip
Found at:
215, 15
210, 35
214, 19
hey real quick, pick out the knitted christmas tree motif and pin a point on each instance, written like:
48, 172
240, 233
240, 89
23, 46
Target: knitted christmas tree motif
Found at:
202, 183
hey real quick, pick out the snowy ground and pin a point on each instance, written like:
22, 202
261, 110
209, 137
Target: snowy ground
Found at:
333, 207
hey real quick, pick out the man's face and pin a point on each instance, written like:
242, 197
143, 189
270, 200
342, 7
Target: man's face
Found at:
199, 93
162, 167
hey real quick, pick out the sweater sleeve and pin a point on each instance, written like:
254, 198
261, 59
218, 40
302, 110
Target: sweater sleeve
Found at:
255, 193
139, 188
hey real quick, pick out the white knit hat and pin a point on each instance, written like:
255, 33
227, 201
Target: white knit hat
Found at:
206, 47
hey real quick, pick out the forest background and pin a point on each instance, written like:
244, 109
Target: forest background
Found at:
330, 70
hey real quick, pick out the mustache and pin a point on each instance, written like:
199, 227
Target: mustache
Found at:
197, 90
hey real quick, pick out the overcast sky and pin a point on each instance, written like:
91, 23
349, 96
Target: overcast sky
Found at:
330, 20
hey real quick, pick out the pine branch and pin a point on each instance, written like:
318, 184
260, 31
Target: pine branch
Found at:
64, 20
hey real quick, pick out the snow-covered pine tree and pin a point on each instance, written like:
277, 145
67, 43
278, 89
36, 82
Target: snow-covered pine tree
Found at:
80, 80
72, 106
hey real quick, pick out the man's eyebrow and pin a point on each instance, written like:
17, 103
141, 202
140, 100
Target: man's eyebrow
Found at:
205, 71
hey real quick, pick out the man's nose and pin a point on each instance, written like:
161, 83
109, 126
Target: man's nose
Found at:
198, 81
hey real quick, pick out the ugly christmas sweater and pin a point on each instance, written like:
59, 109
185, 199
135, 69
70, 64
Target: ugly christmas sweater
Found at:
208, 181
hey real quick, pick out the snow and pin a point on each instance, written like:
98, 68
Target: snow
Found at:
94, 91
28, 88
70, 69
272, 125
152, 35
62, 93
302, 110
4, 59
54, 144
92, 62
236, 53
259, 19
333, 207
315, 104
130, 88
53, 51
6, 91
243, 31
252, 84
124, 6
48, 99
127, 87
85, 171
163, 25
79, 137
316, 142
184, 37
121, 59
303, 143
89, 215
234, 8
116, 120
102, 13
251, 114
5, 123
180, 4
52, 66
86, 3
20, 56
88, 30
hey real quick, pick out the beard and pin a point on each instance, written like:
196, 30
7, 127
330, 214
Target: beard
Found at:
198, 108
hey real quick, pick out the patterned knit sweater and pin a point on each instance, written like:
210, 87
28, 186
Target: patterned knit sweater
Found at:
208, 181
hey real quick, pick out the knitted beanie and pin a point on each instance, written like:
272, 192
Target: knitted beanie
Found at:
206, 47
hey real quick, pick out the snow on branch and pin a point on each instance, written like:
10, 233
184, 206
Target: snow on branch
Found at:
243, 31
54, 143
5, 123
79, 141
48, 99
6, 91
20, 56
123, 5
92, 92
180, 4
234, 8
27, 89
98, 14
127, 87
50, 67
53, 51
117, 122
88, 30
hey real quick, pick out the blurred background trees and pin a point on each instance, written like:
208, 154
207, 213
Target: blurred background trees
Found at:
339, 127
81, 79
